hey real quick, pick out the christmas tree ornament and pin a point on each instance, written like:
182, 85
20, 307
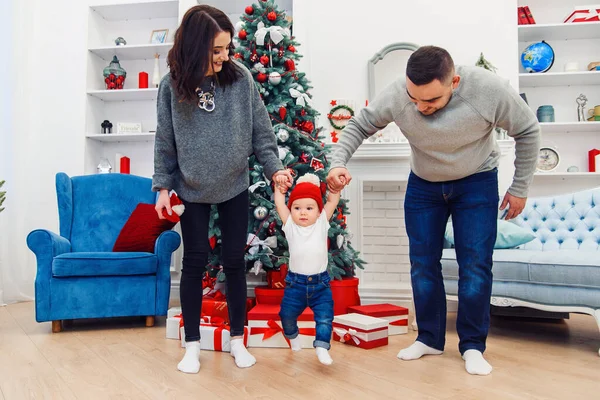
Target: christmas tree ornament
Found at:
283, 135
282, 113
281, 52
272, 16
258, 67
307, 126
239, 26
283, 151
303, 158
212, 242
302, 112
264, 60
254, 57
238, 56
260, 213
292, 48
261, 77
242, 34
289, 65
249, 10
274, 78
272, 228
316, 164
340, 241
257, 267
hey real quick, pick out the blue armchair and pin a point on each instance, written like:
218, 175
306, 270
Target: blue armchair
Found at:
78, 275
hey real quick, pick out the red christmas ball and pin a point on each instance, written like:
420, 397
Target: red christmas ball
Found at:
242, 34
272, 16
264, 60
289, 65
249, 10
291, 48
282, 112
307, 126
238, 56
303, 112
261, 77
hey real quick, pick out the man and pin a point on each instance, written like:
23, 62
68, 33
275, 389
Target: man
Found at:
448, 115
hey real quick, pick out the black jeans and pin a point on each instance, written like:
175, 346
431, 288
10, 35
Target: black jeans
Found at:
233, 220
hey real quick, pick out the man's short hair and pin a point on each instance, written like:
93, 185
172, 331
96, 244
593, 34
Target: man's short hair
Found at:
429, 63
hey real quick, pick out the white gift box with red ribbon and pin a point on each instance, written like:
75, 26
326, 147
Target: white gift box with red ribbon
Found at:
265, 329
360, 330
214, 334
396, 316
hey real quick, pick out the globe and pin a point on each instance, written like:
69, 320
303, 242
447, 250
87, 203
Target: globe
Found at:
537, 57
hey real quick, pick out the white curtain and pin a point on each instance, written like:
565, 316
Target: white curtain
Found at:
17, 269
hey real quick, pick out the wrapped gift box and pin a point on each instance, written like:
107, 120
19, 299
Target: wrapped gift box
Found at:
345, 294
174, 321
215, 307
360, 330
173, 311
396, 316
265, 327
214, 335
267, 295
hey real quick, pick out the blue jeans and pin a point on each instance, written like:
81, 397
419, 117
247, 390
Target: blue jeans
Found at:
312, 291
473, 204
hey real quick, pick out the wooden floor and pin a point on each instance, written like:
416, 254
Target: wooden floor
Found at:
122, 359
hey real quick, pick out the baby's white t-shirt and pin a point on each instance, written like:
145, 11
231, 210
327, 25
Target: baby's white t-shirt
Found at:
307, 245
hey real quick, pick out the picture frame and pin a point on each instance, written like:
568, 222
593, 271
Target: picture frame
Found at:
129, 127
159, 36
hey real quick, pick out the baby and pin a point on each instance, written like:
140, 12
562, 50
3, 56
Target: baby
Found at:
307, 282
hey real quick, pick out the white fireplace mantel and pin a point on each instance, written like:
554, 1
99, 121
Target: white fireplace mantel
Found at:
382, 163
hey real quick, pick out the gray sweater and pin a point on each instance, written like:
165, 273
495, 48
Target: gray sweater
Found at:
458, 140
204, 156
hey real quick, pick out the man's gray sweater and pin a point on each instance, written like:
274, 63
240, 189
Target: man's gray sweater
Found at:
458, 140
204, 156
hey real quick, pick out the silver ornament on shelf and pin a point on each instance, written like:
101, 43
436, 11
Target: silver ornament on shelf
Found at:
274, 78
283, 135
258, 266
260, 213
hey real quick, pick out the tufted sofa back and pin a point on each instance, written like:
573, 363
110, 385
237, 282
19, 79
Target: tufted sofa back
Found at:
563, 222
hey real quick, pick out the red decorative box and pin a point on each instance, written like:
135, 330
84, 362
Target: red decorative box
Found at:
266, 331
267, 295
276, 278
396, 316
581, 14
360, 330
215, 308
345, 294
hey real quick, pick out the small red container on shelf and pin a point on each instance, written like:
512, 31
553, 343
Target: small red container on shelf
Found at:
143, 80
125, 165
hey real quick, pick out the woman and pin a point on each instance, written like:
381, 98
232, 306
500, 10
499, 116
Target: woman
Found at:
210, 119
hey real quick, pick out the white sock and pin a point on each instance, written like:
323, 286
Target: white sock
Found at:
243, 359
323, 355
190, 364
296, 344
475, 364
416, 351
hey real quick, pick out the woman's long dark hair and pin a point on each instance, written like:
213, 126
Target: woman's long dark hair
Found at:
191, 56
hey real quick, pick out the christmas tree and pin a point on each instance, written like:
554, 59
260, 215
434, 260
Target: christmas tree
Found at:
268, 50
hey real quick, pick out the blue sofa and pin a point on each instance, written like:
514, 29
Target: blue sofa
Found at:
78, 275
557, 271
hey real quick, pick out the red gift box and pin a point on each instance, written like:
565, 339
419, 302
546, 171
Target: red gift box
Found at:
276, 278
360, 330
265, 327
267, 295
345, 294
215, 307
396, 316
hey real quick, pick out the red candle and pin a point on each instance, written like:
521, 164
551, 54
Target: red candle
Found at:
594, 156
124, 165
143, 78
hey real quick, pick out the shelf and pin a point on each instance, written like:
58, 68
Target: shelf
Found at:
132, 52
560, 79
560, 127
125, 94
121, 137
595, 175
148, 10
568, 31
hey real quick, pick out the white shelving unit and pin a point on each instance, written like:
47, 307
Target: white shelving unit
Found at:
572, 139
120, 137
132, 52
125, 94
134, 21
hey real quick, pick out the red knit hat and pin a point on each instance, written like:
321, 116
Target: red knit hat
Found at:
308, 186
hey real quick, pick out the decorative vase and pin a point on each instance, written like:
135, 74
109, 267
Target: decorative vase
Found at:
114, 75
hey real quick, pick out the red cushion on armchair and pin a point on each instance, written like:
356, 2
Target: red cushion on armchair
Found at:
142, 229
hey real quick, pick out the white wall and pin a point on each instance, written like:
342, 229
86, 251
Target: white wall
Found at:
337, 39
